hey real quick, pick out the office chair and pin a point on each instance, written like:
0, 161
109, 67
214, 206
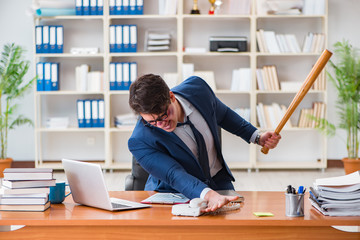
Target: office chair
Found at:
137, 179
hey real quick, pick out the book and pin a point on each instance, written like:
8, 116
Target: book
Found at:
28, 173
349, 179
5, 190
25, 207
28, 183
23, 199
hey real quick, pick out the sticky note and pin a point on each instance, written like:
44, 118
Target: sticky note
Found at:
263, 214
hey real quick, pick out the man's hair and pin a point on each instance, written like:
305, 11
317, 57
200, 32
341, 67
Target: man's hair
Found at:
149, 94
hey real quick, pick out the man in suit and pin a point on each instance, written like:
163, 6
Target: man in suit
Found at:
170, 153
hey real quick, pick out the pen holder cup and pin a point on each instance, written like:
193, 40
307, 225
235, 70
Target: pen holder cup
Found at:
294, 205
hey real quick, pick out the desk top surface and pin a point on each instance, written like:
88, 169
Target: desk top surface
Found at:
70, 213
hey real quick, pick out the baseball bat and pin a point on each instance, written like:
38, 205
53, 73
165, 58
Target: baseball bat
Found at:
310, 79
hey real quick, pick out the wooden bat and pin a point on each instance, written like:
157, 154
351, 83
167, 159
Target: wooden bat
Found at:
310, 79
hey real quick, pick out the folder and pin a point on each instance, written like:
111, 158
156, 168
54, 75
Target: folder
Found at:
52, 39
139, 7
45, 39
87, 113
126, 38
47, 76
133, 38
40, 76
119, 76
126, 76
101, 113
38, 39
94, 113
112, 8
132, 7
60, 39
133, 72
112, 76
80, 113
119, 38
125, 7
118, 7
100, 7
54, 77
93, 7
112, 38
78, 7
86, 7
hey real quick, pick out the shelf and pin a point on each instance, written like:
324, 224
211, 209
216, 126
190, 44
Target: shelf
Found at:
69, 55
230, 92
143, 54
73, 17
67, 93
247, 54
145, 16
289, 16
259, 54
70, 130
122, 129
207, 16
287, 92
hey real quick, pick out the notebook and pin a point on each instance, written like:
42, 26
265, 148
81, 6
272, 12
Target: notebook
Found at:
88, 187
166, 198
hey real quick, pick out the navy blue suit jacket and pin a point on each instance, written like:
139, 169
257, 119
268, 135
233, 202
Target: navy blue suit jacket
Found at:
170, 163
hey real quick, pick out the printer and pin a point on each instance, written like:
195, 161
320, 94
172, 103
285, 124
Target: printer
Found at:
228, 44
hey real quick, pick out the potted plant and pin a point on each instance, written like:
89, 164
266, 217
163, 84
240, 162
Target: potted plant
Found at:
12, 86
346, 79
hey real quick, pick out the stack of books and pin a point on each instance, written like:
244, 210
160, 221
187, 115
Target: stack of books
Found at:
337, 196
26, 189
308, 116
267, 78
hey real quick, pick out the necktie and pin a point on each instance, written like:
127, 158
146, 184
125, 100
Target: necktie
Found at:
201, 146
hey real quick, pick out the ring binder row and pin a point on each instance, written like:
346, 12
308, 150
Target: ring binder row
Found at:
89, 7
47, 76
126, 7
49, 38
122, 74
90, 113
123, 38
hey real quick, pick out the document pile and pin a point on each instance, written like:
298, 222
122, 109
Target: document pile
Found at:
26, 189
337, 196
57, 122
125, 120
158, 41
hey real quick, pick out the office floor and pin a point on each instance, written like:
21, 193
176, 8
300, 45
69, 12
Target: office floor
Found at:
263, 180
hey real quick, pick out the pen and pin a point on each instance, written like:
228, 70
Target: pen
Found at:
175, 195
301, 189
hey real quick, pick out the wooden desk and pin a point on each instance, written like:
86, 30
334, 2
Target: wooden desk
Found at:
73, 221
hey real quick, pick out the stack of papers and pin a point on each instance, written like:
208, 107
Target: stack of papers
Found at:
158, 41
125, 120
337, 196
57, 122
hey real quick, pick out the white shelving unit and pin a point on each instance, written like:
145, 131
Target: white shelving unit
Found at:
299, 147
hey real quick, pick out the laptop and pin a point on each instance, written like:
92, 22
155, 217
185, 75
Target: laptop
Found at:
88, 187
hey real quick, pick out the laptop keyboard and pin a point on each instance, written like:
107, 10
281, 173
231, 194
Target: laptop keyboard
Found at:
118, 205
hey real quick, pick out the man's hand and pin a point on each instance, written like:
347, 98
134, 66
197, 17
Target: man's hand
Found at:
269, 139
216, 201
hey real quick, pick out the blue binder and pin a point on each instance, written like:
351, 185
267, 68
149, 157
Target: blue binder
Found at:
52, 39
126, 38
126, 76
86, 7
139, 7
112, 38
93, 7
80, 113
39, 39
119, 76
132, 7
94, 113
78, 7
59, 39
125, 7
101, 113
118, 7
40, 76
54, 77
133, 72
133, 38
46, 35
47, 76
119, 38
112, 7
87, 112
100, 7
112, 77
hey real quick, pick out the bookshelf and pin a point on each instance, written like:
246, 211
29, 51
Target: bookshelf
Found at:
299, 147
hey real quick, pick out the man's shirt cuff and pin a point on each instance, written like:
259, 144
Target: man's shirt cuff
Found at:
253, 136
204, 192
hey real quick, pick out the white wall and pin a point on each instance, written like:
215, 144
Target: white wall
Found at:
16, 27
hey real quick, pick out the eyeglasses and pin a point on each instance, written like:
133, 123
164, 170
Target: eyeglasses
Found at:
161, 118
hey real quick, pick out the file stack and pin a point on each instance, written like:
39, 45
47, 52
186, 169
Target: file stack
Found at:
89, 7
126, 7
91, 113
49, 38
47, 76
122, 120
26, 189
337, 196
158, 41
